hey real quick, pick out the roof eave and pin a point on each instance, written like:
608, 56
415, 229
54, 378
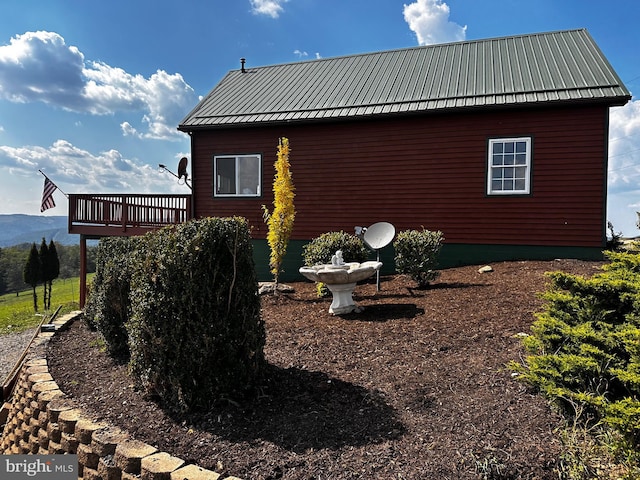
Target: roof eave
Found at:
617, 101
611, 101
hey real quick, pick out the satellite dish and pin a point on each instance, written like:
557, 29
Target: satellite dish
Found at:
379, 235
182, 168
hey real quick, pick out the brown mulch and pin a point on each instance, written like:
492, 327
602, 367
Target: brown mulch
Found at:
413, 387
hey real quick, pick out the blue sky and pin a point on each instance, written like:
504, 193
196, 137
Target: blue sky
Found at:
92, 92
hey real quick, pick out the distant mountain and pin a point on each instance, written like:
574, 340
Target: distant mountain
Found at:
16, 229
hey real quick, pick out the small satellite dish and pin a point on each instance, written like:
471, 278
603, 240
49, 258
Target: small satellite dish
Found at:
379, 235
182, 168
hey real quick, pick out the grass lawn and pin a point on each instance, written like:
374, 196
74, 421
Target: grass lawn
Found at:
16, 311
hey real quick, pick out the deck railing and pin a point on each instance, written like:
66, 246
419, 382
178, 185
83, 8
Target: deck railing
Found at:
125, 214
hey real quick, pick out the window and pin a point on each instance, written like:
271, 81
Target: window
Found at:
237, 175
509, 171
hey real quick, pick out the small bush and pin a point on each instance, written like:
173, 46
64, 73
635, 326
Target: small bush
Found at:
322, 248
108, 308
615, 241
195, 332
417, 254
584, 349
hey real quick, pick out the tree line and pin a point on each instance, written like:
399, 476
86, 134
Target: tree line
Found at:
14, 259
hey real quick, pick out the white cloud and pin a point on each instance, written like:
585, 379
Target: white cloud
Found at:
82, 171
272, 8
624, 167
624, 145
39, 66
429, 19
302, 54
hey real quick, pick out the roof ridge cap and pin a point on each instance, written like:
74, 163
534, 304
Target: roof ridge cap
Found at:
415, 47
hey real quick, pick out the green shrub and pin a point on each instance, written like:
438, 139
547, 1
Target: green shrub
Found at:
195, 333
584, 349
322, 248
417, 254
108, 307
615, 241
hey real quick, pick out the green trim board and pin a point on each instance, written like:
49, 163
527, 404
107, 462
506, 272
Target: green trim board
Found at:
456, 255
452, 255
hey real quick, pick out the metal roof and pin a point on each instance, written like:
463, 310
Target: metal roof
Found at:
525, 69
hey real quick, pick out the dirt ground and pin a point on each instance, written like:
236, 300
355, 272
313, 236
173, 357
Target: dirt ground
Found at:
414, 387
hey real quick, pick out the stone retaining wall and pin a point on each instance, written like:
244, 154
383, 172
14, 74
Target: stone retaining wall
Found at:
41, 419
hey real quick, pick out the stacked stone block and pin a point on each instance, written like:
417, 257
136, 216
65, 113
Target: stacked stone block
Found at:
41, 419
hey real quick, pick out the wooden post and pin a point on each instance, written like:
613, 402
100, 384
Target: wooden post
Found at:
83, 270
125, 213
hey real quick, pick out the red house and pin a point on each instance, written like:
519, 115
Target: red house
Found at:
501, 144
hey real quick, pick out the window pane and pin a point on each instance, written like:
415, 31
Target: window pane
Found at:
226, 175
248, 175
509, 166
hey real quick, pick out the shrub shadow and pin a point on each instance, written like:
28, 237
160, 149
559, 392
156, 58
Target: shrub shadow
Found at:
385, 312
445, 285
301, 410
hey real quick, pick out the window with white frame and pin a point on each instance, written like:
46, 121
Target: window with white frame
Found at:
509, 166
237, 175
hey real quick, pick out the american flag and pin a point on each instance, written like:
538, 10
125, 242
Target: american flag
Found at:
47, 195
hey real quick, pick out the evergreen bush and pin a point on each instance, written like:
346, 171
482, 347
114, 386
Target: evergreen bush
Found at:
584, 347
32, 272
108, 307
416, 254
322, 248
195, 332
51, 269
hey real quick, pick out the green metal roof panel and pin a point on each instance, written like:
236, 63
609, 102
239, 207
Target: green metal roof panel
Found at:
536, 68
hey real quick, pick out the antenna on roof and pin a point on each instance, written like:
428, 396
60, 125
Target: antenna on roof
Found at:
242, 60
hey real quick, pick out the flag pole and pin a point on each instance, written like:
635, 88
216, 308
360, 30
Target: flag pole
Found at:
43, 174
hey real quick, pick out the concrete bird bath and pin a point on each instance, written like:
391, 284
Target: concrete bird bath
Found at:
341, 278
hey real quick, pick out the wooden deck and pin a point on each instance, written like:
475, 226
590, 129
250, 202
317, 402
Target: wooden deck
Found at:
101, 215
123, 215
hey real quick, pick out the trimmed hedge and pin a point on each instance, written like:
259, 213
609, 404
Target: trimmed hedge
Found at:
108, 308
183, 303
195, 332
417, 254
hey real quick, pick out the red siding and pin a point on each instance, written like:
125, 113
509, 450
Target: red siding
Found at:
426, 171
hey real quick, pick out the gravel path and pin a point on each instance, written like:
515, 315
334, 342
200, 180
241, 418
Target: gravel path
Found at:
11, 347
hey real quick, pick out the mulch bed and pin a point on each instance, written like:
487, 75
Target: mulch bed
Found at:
413, 387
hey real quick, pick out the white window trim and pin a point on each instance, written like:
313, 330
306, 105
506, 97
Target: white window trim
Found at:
490, 168
258, 193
